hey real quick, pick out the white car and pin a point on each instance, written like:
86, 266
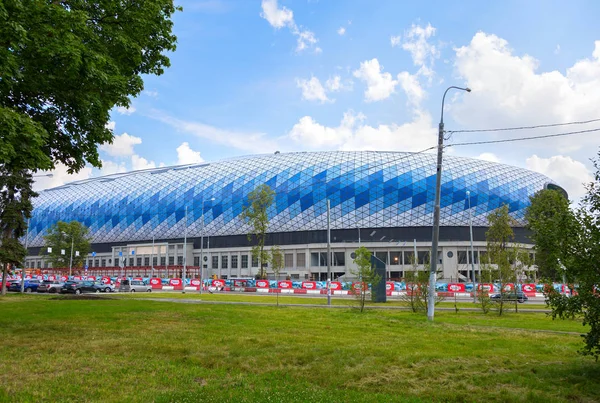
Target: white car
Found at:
105, 287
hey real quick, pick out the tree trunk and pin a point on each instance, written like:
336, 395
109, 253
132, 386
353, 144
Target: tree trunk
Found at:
4, 274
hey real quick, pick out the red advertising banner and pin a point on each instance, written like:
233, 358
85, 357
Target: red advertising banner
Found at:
528, 289
218, 283
138, 279
286, 285
261, 283
357, 287
240, 283
105, 280
509, 287
64, 278
51, 277
195, 282
176, 283
389, 286
309, 285
456, 287
28, 277
336, 286
156, 283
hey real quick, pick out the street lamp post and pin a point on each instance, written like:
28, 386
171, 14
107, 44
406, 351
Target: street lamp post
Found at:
472, 252
436, 210
202, 246
328, 255
184, 252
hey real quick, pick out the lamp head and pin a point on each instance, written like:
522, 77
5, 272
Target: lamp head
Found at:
468, 193
468, 89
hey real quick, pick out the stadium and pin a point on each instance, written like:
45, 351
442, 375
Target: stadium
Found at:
381, 200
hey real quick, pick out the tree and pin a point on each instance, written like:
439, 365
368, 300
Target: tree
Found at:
417, 287
14, 207
276, 264
64, 65
581, 263
552, 224
498, 237
59, 238
256, 214
366, 275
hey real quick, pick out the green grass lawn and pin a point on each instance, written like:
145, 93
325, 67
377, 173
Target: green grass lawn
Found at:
126, 349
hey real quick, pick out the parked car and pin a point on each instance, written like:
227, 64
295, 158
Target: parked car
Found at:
30, 285
134, 286
79, 287
510, 296
105, 287
50, 286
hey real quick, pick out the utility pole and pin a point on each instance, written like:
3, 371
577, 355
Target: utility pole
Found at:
472, 252
328, 255
23, 269
436, 211
71, 259
184, 251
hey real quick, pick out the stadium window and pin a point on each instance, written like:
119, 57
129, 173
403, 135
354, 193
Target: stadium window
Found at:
90, 263
103, 263
289, 260
171, 260
295, 276
163, 261
154, 261
423, 257
395, 258
224, 262
146, 261
116, 262
139, 261
475, 257
179, 260
409, 258
215, 262
339, 259
196, 260
244, 261
301, 259
323, 259
254, 261
382, 256
483, 257
462, 256
96, 262
234, 261
314, 259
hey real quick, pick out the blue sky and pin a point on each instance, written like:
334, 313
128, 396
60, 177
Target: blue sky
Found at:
294, 75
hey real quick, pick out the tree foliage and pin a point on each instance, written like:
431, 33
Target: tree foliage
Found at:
277, 263
553, 225
500, 254
256, 215
59, 238
582, 268
366, 274
63, 66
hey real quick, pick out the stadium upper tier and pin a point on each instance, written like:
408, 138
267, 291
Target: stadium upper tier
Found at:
366, 189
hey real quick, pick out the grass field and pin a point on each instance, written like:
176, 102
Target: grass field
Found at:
126, 349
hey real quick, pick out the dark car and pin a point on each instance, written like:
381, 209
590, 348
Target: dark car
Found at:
30, 286
50, 286
79, 287
510, 296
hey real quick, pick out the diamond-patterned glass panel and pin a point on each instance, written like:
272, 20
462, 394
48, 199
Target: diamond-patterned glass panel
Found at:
367, 189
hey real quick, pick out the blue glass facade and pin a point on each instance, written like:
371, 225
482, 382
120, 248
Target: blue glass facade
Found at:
366, 189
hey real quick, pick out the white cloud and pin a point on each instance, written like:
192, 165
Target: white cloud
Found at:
416, 42
138, 163
280, 17
411, 86
122, 145
111, 125
557, 49
379, 85
112, 167
185, 155
341, 31
247, 141
151, 93
353, 134
125, 111
491, 157
312, 90
335, 84
395, 40
509, 91
568, 173
277, 17
60, 176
